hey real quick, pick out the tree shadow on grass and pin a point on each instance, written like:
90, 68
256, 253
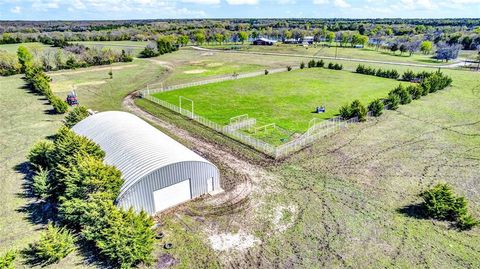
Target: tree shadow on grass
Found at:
416, 211
36, 211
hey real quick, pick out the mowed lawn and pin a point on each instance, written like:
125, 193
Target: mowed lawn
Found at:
287, 99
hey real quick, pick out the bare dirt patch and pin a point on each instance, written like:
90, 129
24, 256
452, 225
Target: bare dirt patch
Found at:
94, 69
228, 241
195, 71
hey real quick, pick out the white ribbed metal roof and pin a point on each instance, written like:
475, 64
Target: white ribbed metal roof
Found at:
132, 145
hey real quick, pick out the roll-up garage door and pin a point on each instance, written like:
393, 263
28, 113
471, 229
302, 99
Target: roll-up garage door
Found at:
172, 195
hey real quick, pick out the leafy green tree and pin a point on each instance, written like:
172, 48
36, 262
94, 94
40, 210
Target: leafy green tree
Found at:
183, 40
376, 106
125, 237
199, 37
7, 259
39, 154
330, 37
55, 244
357, 109
25, 58
243, 36
219, 38
76, 115
40, 183
426, 47
59, 105
404, 95
345, 112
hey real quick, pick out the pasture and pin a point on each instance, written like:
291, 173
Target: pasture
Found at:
287, 99
367, 53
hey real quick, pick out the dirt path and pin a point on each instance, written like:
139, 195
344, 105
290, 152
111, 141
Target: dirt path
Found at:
94, 69
453, 65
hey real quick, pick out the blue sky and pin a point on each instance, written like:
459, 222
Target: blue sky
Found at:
158, 9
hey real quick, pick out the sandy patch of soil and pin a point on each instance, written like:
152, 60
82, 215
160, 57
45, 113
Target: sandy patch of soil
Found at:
214, 64
284, 217
94, 69
229, 241
195, 71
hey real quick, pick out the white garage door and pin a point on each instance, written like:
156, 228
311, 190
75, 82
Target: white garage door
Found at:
172, 195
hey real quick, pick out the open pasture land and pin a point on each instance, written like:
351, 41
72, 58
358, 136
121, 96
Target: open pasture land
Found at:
287, 99
135, 46
12, 48
367, 53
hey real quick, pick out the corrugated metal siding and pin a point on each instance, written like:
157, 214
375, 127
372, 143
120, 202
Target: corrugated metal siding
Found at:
140, 195
147, 158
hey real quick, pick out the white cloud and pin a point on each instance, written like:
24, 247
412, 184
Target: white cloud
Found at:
417, 4
202, 2
341, 3
16, 10
286, 2
337, 3
242, 2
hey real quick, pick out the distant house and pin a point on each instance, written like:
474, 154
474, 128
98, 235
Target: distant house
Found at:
307, 40
264, 42
291, 41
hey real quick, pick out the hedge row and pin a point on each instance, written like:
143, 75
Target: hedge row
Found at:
320, 64
39, 81
401, 95
366, 70
71, 176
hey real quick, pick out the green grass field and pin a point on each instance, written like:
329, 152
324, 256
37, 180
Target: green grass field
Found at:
343, 52
346, 199
286, 99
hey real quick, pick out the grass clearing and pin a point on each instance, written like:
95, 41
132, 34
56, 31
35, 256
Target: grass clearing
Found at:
287, 99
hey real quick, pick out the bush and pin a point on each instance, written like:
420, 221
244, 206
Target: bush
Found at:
409, 75
289, 68
393, 101
441, 203
311, 63
320, 63
358, 110
266, 72
376, 106
40, 183
76, 115
331, 66
302, 65
124, 237
7, 259
345, 112
415, 91
405, 97
59, 105
54, 244
38, 155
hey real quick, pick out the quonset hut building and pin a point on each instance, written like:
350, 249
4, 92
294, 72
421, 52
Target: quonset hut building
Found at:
158, 172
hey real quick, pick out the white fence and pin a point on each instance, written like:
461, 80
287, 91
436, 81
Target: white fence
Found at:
315, 132
214, 80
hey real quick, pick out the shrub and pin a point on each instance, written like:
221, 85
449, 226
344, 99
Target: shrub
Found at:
54, 244
7, 259
289, 68
39, 153
425, 88
320, 63
266, 72
409, 75
331, 66
345, 112
415, 91
40, 183
76, 115
404, 95
311, 63
124, 237
302, 65
440, 202
376, 106
393, 101
59, 105
358, 110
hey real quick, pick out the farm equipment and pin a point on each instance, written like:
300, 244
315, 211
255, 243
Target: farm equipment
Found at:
320, 109
72, 99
